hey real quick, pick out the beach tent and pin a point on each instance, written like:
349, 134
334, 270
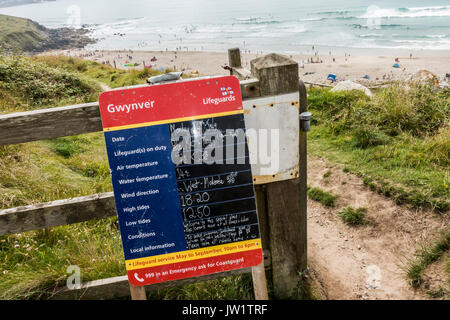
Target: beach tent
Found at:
396, 65
331, 77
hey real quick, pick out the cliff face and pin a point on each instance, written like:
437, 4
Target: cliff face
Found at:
24, 35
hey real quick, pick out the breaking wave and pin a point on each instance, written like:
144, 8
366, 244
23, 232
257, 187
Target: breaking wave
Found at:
415, 12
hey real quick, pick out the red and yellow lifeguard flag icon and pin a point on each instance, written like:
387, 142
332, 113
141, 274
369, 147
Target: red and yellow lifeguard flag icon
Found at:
182, 179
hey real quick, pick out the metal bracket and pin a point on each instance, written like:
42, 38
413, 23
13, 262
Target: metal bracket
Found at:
305, 121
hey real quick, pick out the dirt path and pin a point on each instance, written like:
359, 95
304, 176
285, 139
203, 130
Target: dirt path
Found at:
366, 262
104, 86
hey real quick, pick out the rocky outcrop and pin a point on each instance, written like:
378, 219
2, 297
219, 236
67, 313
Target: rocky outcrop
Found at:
65, 38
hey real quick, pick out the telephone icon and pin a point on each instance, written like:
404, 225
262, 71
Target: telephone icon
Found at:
136, 276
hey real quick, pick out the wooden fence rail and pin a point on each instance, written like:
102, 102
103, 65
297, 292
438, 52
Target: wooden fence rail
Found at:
57, 213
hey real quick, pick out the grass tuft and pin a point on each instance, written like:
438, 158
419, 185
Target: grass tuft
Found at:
325, 198
426, 256
353, 216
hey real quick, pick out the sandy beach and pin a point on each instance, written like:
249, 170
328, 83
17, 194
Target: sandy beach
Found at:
368, 70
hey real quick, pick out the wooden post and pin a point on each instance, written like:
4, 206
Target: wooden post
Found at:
278, 74
303, 181
258, 272
234, 58
260, 282
137, 293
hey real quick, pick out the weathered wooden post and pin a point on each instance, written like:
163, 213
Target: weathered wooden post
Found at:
303, 181
286, 210
234, 58
138, 293
235, 65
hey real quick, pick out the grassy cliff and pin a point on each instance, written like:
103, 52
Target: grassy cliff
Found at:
18, 34
24, 35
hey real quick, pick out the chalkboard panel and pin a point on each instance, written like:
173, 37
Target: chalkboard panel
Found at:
214, 196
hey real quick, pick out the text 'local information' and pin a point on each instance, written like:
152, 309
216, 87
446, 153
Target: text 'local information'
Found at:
189, 218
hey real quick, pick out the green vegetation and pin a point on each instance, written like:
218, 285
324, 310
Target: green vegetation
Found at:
304, 289
231, 288
447, 269
19, 34
353, 216
425, 257
29, 85
26, 84
325, 198
398, 141
106, 74
33, 263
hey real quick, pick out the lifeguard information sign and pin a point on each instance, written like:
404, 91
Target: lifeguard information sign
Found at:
182, 179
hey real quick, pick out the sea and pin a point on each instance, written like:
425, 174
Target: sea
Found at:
289, 26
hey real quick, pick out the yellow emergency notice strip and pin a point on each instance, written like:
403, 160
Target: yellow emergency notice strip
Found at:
193, 254
154, 123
